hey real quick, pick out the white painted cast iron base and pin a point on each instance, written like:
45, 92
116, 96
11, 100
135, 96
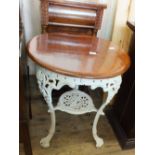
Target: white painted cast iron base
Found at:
74, 101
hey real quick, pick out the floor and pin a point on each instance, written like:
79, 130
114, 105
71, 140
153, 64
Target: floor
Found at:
73, 134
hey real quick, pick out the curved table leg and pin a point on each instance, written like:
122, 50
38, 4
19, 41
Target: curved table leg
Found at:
46, 90
112, 90
99, 141
45, 142
47, 83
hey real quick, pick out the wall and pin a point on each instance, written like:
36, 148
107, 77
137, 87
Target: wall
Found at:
30, 13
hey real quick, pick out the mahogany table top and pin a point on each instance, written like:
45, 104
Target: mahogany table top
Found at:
78, 55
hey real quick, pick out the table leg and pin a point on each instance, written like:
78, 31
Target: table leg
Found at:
46, 90
112, 89
45, 142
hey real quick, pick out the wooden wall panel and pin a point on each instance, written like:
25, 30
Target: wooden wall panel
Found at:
108, 20
121, 33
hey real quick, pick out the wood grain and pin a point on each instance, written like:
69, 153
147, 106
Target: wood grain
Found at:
78, 55
74, 14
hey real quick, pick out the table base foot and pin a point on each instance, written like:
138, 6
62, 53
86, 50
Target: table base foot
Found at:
45, 142
99, 142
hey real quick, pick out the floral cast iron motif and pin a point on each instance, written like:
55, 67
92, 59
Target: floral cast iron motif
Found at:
75, 101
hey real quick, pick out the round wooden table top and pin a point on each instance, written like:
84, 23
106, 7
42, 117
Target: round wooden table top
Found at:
78, 55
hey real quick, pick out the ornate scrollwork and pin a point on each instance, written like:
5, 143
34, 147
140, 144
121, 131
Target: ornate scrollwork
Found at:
75, 101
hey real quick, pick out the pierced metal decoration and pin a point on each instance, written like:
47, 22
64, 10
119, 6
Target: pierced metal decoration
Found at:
75, 101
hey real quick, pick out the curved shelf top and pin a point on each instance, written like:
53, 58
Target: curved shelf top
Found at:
88, 2
78, 55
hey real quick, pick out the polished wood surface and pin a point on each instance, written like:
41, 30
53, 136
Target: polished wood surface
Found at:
89, 2
77, 15
78, 55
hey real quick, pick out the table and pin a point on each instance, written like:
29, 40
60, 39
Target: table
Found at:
74, 60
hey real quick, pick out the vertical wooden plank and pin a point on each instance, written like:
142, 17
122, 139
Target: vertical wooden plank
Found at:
108, 20
121, 33
132, 11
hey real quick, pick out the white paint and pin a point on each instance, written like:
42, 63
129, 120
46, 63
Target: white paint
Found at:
112, 48
48, 81
92, 53
75, 102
